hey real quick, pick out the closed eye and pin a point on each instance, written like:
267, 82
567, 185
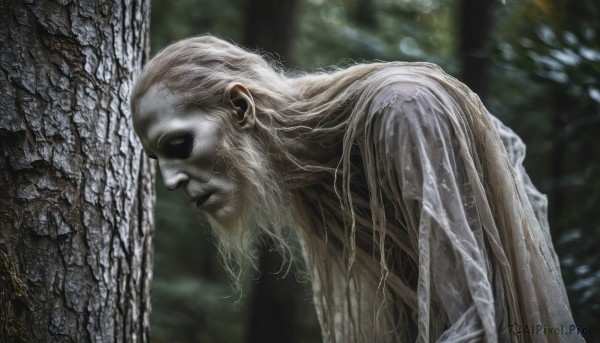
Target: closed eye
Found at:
179, 147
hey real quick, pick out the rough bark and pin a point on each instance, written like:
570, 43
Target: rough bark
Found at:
76, 193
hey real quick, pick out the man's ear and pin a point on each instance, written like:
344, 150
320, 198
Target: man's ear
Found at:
242, 103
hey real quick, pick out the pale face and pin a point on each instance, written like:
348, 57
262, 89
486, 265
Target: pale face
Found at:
185, 141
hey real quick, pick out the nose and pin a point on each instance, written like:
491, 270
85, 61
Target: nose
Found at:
173, 177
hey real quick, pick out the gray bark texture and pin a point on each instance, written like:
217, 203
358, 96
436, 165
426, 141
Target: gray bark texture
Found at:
76, 192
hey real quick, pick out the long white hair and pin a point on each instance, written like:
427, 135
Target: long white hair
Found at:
356, 244
332, 205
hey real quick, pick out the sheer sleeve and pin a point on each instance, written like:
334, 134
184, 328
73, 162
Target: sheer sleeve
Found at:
416, 140
443, 184
515, 150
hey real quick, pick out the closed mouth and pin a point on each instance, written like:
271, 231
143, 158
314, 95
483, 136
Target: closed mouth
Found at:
203, 199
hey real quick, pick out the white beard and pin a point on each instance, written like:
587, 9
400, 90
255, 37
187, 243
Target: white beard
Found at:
265, 211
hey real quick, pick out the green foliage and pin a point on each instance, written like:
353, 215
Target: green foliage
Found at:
543, 83
174, 20
547, 87
13, 297
336, 31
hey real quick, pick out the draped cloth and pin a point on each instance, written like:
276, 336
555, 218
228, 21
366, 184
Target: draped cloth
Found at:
474, 221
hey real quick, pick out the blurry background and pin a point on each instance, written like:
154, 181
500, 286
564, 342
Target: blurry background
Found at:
535, 64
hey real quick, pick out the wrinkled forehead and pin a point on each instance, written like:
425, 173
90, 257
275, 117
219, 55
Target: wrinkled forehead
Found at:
157, 102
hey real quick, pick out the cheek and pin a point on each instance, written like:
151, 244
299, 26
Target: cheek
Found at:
226, 180
231, 199
204, 155
223, 165
208, 137
204, 161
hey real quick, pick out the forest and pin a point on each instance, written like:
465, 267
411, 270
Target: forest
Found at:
81, 235
536, 65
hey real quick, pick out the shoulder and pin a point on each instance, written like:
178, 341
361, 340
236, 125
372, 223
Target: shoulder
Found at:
423, 98
398, 92
407, 105
409, 82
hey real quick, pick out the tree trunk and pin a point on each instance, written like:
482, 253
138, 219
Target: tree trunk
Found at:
475, 27
76, 192
271, 25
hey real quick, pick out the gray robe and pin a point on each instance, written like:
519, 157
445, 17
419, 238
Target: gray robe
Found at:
474, 222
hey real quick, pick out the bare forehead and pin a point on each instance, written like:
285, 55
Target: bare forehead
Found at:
158, 100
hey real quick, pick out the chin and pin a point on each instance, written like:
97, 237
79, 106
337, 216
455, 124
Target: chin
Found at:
230, 219
223, 218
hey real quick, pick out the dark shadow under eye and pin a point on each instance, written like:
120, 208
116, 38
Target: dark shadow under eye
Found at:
179, 147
